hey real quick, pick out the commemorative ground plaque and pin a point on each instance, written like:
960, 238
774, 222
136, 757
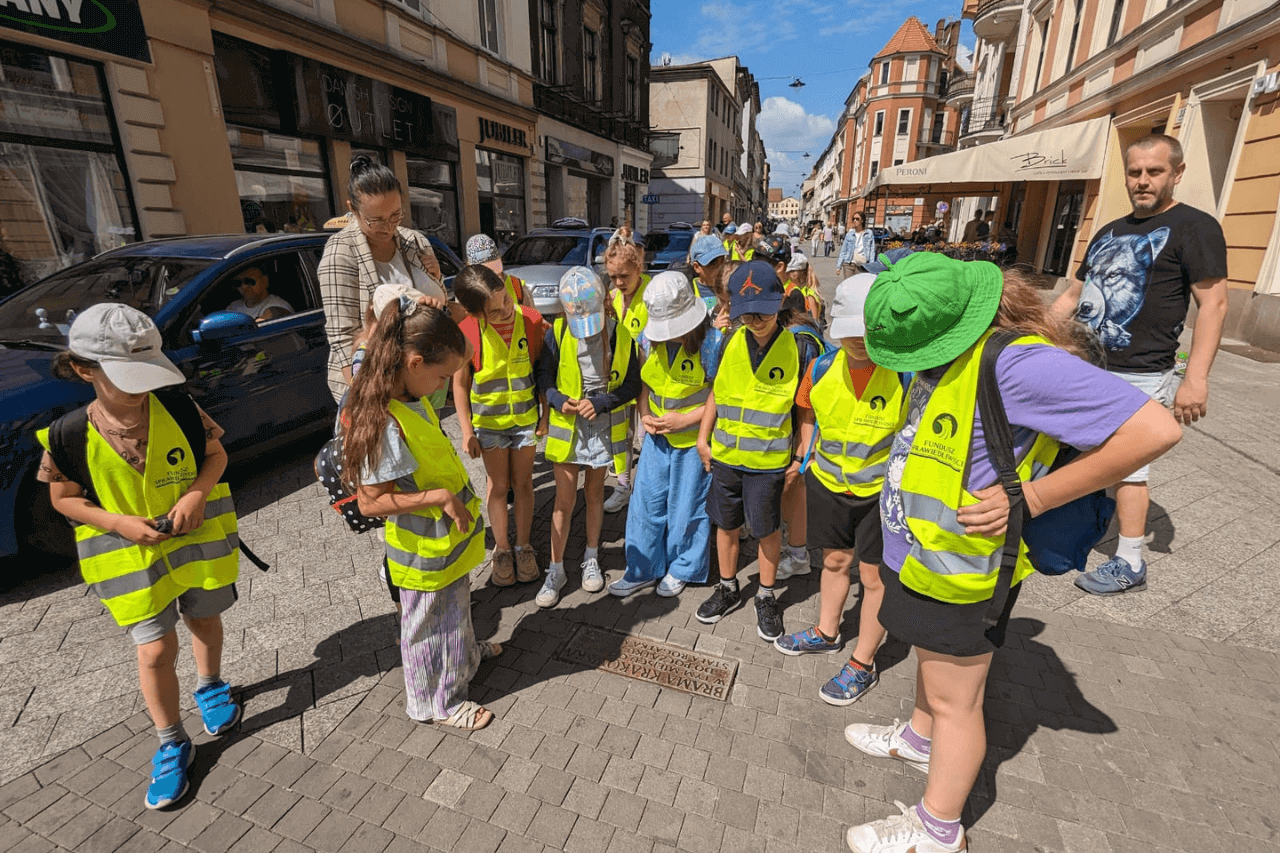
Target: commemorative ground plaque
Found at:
646, 660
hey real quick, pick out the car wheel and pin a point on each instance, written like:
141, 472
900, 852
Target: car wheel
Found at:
44, 530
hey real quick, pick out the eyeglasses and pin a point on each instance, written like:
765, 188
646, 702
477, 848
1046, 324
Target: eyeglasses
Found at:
755, 318
393, 219
247, 281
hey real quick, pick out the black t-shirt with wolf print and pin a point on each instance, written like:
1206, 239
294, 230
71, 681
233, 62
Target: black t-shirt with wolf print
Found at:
1137, 276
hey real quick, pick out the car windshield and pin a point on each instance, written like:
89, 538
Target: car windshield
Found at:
563, 249
669, 244
44, 311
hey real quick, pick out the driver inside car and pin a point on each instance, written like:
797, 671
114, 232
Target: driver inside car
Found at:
255, 301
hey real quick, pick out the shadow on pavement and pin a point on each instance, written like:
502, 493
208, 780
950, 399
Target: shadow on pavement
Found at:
1012, 718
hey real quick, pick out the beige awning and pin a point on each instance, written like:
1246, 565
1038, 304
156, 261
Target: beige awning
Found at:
1072, 152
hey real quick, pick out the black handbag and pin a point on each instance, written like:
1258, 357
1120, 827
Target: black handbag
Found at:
1058, 541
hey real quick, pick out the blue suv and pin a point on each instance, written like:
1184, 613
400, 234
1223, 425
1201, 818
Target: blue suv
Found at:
264, 383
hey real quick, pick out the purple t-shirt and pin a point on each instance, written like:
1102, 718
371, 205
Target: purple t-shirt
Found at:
1045, 390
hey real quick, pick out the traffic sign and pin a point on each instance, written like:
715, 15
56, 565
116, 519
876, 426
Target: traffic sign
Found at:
651, 199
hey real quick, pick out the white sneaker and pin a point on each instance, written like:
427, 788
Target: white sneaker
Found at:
623, 587
549, 595
886, 742
618, 500
799, 561
592, 577
670, 587
791, 564
902, 833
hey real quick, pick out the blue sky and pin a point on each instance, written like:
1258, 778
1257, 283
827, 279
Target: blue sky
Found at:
826, 44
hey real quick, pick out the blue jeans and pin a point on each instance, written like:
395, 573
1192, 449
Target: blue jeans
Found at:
668, 531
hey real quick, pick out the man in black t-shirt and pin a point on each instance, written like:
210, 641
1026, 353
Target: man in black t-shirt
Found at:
1134, 288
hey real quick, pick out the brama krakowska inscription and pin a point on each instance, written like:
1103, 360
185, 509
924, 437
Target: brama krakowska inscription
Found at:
645, 660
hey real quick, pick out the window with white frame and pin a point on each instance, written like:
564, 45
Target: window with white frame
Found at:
879, 125
590, 65
490, 38
1075, 36
1117, 20
875, 168
549, 44
884, 73
904, 121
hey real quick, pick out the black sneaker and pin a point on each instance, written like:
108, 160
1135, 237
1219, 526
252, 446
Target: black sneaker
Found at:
721, 603
768, 618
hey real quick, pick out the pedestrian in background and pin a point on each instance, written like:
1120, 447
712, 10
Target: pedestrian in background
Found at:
1133, 289
668, 531
156, 533
372, 249
496, 396
828, 240
589, 373
944, 512
858, 247
400, 464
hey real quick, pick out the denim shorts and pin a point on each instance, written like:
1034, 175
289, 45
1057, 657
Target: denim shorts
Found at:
514, 438
193, 604
1161, 387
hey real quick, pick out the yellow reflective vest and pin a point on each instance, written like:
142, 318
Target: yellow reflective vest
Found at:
946, 563
736, 254
515, 287
855, 435
560, 426
636, 317
753, 407
502, 390
425, 549
136, 582
675, 387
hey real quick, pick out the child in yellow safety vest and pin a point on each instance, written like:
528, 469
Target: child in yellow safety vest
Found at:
747, 438
624, 265
400, 464
850, 411
156, 537
483, 250
668, 531
589, 373
496, 396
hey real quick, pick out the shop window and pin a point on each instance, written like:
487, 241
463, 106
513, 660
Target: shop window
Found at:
489, 36
549, 46
282, 181
590, 66
500, 184
433, 199
63, 193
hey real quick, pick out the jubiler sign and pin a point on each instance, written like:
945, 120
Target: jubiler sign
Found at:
111, 26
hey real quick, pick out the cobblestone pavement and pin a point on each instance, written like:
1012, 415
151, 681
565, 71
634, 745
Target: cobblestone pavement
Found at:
1144, 723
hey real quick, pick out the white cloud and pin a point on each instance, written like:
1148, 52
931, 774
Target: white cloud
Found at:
786, 126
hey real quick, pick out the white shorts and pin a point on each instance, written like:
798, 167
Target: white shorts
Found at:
1160, 387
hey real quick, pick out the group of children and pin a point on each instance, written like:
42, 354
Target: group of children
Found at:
718, 373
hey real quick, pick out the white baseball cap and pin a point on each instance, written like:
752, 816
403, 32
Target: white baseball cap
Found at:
127, 346
746, 226
674, 309
846, 311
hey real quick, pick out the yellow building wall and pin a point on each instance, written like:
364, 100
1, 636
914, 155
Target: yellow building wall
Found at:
1251, 206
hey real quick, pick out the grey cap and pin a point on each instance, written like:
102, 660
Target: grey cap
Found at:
127, 346
846, 310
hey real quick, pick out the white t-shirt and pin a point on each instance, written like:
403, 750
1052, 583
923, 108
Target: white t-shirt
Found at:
272, 301
394, 272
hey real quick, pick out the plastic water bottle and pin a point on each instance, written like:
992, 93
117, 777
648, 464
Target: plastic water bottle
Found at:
1180, 364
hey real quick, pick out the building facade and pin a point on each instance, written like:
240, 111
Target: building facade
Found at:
783, 209
713, 162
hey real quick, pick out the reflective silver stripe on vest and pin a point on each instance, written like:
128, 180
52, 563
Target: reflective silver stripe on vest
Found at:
752, 417
559, 433
419, 563
697, 398
856, 449
861, 477
198, 552
928, 508
951, 563
498, 386
517, 408
102, 543
431, 528
132, 582
753, 445
221, 506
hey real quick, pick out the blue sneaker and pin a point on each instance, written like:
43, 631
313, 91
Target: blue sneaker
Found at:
169, 773
807, 643
216, 708
848, 686
1113, 577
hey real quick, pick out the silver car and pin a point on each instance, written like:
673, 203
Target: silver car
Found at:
543, 255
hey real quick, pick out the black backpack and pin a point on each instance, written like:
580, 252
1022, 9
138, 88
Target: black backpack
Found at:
68, 436
328, 468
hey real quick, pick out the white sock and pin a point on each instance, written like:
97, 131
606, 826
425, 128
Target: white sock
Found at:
556, 567
1130, 550
590, 554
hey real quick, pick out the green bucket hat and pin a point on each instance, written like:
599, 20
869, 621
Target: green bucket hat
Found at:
926, 309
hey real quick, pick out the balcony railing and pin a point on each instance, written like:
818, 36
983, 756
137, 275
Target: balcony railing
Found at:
561, 103
938, 138
984, 116
960, 89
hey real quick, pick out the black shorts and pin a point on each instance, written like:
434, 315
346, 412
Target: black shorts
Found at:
843, 522
935, 626
745, 497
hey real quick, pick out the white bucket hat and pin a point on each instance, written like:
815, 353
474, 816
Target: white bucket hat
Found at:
846, 310
674, 309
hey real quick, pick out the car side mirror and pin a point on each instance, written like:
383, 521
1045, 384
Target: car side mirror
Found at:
222, 324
